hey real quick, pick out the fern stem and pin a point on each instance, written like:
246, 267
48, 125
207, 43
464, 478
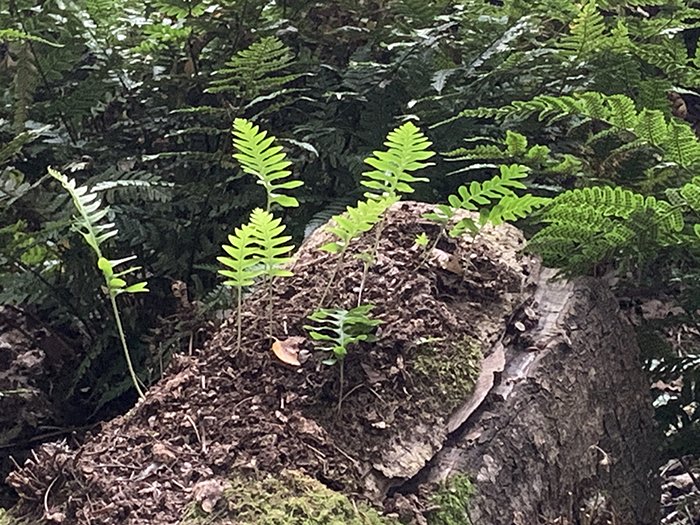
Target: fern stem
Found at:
122, 338
373, 257
341, 368
239, 307
269, 307
331, 280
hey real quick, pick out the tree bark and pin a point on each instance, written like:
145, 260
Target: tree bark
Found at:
566, 433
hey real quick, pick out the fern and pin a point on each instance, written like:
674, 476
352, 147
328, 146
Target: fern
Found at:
244, 260
408, 148
337, 330
267, 234
255, 71
497, 192
586, 226
675, 139
268, 163
89, 223
20, 36
350, 225
586, 33
354, 222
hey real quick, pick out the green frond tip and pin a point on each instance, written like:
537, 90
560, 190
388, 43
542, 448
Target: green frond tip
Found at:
341, 328
260, 157
408, 148
90, 213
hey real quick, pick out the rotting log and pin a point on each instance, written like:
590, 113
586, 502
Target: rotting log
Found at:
565, 434
493, 395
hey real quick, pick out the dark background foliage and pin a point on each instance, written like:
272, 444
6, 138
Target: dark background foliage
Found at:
135, 99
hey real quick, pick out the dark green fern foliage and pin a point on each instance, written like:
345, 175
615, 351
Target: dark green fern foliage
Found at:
589, 226
261, 69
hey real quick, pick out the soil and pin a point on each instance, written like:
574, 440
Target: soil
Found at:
222, 413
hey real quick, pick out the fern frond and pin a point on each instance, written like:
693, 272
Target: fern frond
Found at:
88, 222
341, 328
482, 194
514, 207
255, 71
20, 36
587, 225
267, 234
244, 258
674, 138
586, 33
356, 221
408, 148
259, 157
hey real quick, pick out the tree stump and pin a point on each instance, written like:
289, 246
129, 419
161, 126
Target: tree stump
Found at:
494, 394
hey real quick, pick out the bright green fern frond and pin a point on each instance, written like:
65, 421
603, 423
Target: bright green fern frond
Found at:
356, 221
88, 222
481, 194
408, 148
244, 258
342, 328
514, 207
259, 157
267, 234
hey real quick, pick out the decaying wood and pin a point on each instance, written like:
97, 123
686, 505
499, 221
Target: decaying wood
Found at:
567, 432
557, 419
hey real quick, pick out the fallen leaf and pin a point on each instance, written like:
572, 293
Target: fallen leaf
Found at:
287, 350
446, 261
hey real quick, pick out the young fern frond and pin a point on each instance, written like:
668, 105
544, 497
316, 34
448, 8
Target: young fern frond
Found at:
341, 328
408, 148
89, 223
337, 330
356, 221
256, 249
244, 263
497, 192
514, 207
258, 156
267, 234
350, 225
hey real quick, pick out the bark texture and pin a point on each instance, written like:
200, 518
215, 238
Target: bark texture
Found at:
567, 433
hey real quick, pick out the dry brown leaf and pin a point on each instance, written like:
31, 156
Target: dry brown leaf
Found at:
287, 350
447, 261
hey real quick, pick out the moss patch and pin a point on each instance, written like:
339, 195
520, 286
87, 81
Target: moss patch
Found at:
289, 499
452, 502
447, 369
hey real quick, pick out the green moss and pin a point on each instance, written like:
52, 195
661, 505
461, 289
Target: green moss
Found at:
452, 502
447, 370
289, 499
